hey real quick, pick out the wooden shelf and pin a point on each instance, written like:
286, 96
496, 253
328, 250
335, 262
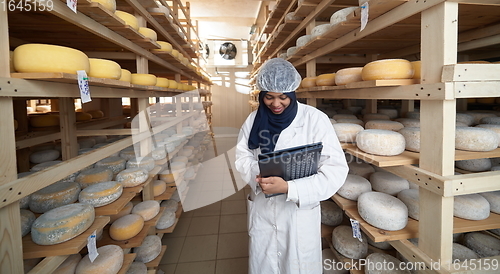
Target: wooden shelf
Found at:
128, 259
156, 262
117, 205
344, 203
138, 189
73, 246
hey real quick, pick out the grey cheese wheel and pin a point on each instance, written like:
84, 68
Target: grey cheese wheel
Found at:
303, 40
382, 210
493, 197
465, 118
351, 121
27, 219
101, 194
387, 182
331, 213
109, 261
131, 177
490, 120
53, 196
471, 207
347, 245
137, 268
484, 245
375, 263
475, 165
346, 132
330, 263
44, 156
361, 169
379, 245
462, 253
167, 219
392, 113
413, 115
410, 197
384, 124
320, 30
341, 15
354, 186
475, 139
69, 265
494, 127
147, 163
170, 205
149, 249
380, 142
478, 116
412, 138
115, 163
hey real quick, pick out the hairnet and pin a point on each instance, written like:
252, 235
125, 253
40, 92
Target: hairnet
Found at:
278, 75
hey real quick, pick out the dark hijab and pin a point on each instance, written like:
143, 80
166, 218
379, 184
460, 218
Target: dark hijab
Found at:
267, 126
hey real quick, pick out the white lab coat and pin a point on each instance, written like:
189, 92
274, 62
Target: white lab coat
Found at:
285, 230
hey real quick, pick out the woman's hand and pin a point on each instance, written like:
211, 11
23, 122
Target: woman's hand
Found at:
272, 185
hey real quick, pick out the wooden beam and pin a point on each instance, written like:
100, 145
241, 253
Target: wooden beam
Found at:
69, 143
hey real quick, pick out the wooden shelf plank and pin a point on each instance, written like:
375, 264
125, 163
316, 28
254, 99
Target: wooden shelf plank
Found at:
128, 259
343, 203
73, 246
156, 262
117, 205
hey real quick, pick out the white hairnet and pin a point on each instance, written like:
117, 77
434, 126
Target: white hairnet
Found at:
278, 75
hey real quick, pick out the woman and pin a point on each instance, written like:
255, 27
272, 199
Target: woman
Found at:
284, 230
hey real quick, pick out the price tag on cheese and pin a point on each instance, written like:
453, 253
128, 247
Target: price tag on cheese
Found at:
364, 15
356, 233
83, 85
72, 4
91, 247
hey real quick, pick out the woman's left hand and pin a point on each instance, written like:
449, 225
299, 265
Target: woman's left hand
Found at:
272, 185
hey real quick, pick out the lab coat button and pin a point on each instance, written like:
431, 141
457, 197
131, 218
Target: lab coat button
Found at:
279, 253
272, 198
274, 226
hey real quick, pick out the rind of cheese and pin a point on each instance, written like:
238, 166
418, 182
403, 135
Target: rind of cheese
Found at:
53, 196
131, 177
484, 245
474, 165
101, 68
62, 224
354, 186
410, 197
129, 19
159, 187
165, 47
147, 163
83, 116
331, 213
308, 82
149, 249
291, 51
162, 82
166, 220
493, 198
43, 156
361, 169
382, 210
471, 207
101, 194
143, 79
93, 176
348, 75
387, 69
147, 209
137, 268
387, 182
384, 124
109, 261
114, 163
341, 15
125, 211
320, 30
49, 58
27, 219
412, 138
346, 132
380, 142
149, 33
463, 253
303, 40
126, 75
347, 245
126, 227
69, 265
327, 79
49, 120
107, 4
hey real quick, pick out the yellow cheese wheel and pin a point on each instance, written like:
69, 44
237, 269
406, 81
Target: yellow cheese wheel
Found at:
348, 75
53, 196
107, 4
96, 113
147, 209
165, 47
308, 82
126, 227
49, 58
327, 79
109, 261
83, 116
167, 177
93, 176
162, 82
69, 265
143, 79
149, 33
49, 120
175, 53
387, 69
159, 187
129, 19
416, 69
101, 194
62, 224
172, 84
126, 75
102, 68
125, 211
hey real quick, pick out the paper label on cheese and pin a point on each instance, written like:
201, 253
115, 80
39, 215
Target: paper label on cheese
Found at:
91, 246
356, 233
72, 4
364, 15
83, 85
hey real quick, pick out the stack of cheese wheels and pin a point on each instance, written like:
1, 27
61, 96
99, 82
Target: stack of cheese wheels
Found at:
471, 207
126, 227
93, 176
354, 186
109, 261
107, 4
147, 209
69, 265
143, 79
387, 69
49, 58
327, 79
412, 138
410, 197
43, 156
475, 139
101, 68
127, 209
380, 142
27, 219
53, 196
132, 177
129, 19
62, 224
126, 75
331, 213
347, 245
48, 120
148, 33
387, 182
308, 82
382, 210
101, 194
149, 249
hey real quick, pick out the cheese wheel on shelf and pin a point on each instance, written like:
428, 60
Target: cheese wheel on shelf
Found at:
462, 253
172, 84
362, 169
416, 65
83, 116
346, 132
96, 114
386, 182
49, 120
53, 196
475, 139
126, 75
392, 113
49, 58
93, 176
129, 19
159, 187
126, 227
471, 207
149, 249
320, 30
348, 75
167, 177
143, 79
331, 213
341, 15
69, 265
409, 122
327, 79
474, 165
384, 124
165, 47
27, 219
101, 194
109, 261
166, 220
347, 245
483, 244
101, 68
107, 4
291, 51
493, 197
114, 163
382, 210
131, 177
149, 33
354, 186
127, 153
308, 82
380, 142
147, 163
137, 268
43, 156
303, 40
375, 116
412, 138
387, 69
62, 224
175, 53
162, 82
147, 209
410, 197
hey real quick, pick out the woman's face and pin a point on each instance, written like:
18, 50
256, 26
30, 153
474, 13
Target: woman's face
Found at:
276, 102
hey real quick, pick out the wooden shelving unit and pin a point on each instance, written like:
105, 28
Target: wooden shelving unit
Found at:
128, 259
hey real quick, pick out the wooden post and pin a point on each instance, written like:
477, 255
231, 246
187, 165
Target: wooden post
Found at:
69, 143
437, 154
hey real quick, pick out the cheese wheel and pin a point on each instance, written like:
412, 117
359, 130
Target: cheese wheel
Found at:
331, 213
493, 197
347, 245
45, 165
148, 163
131, 177
96, 114
392, 113
478, 116
83, 116
354, 186
379, 245
291, 17
109, 261
320, 30
107, 4
93, 176
114, 163
172, 84
471, 207
53, 196
162, 82
50, 120
382, 210
69, 265
308, 82
147, 209
350, 121
463, 253
101, 68
346, 132
86, 143
101, 194
361, 169
409, 122
413, 115
475, 139
494, 127
474, 165
49, 58
384, 124
159, 187
126, 227
291, 51
412, 138
380, 142
165, 47
170, 204
487, 120
44, 156
416, 65
137, 268
387, 182
303, 40
348, 75
410, 197
341, 15
149, 33
127, 153
375, 116
126, 75
127, 209
149, 249
27, 219
62, 224
484, 245
143, 79
129, 19
327, 79
387, 69
166, 220
375, 262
